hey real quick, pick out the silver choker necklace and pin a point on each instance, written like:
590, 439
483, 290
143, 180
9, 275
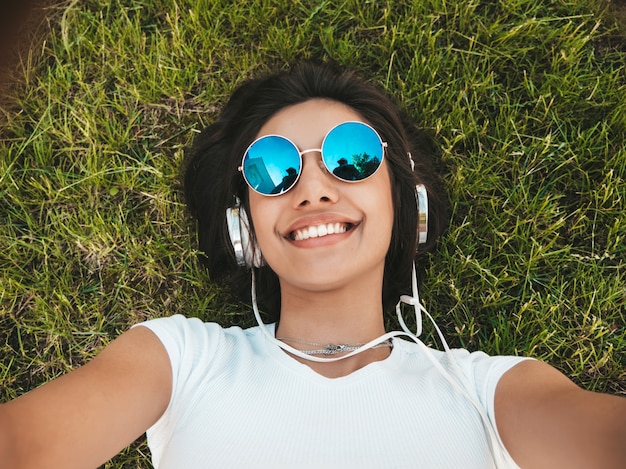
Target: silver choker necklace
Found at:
331, 349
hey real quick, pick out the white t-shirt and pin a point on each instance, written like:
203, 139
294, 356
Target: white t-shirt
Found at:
240, 401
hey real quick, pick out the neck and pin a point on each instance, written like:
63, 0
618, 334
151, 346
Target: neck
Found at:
340, 316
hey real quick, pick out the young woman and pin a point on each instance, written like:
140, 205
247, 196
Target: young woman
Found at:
312, 194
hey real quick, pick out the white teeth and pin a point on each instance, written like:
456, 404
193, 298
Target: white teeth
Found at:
318, 231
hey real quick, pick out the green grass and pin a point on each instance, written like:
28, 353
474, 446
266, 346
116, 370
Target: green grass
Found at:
527, 100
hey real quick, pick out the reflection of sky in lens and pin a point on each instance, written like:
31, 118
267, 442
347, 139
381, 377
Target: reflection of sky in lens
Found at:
278, 154
276, 173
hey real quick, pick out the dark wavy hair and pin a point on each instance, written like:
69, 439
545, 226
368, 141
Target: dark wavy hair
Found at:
211, 179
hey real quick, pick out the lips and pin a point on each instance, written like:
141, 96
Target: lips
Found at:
319, 231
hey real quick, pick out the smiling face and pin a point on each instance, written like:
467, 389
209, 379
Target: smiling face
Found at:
324, 233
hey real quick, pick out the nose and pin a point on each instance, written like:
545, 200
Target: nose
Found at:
315, 185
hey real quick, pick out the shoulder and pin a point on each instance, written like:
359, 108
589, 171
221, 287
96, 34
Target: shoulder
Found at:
181, 331
180, 325
196, 348
477, 367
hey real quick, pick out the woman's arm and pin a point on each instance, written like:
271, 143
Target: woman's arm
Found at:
86, 417
546, 421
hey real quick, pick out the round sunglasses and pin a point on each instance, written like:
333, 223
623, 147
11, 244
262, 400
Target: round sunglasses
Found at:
351, 151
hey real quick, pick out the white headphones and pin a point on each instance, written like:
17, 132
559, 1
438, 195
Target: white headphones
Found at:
248, 254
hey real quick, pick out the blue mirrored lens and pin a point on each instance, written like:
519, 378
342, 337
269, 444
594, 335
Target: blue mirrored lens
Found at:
352, 151
271, 165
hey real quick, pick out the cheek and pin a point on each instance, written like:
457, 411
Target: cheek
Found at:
389, 217
262, 214
377, 200
385, 202
256, 209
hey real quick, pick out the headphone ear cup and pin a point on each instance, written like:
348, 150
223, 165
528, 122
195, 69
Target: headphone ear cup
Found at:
234, 233
246, 252
421, 197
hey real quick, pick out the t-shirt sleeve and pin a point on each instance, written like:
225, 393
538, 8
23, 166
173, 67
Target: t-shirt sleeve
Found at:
192, 346
484, 373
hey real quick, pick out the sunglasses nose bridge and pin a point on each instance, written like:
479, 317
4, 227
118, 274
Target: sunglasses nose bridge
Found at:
314, 185
320, 162
311, 150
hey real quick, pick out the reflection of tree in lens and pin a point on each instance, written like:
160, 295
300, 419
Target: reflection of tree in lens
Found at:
366, 164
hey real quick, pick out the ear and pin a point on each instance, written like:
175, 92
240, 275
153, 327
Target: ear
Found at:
246, 251
421, 197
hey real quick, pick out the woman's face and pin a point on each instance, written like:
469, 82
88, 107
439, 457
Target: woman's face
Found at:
360, 214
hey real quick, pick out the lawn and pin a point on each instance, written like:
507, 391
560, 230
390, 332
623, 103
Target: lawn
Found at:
526, 101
